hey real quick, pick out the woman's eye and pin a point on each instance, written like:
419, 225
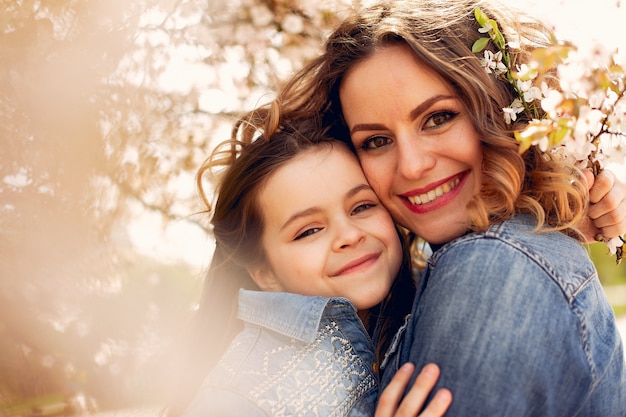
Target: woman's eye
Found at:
439, 119
308, 232
375, 142
363, 207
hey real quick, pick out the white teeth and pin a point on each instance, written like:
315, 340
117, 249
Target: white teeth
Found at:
434, 194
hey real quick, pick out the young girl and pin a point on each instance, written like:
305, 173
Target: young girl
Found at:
313, 255
510, 305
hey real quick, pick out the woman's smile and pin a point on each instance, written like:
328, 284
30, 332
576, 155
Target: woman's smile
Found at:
435, 195
415, 141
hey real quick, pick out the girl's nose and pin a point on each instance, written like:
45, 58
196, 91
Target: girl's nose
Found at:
347, 235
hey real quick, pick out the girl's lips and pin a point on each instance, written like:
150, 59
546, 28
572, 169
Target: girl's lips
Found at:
435, 195
356, 265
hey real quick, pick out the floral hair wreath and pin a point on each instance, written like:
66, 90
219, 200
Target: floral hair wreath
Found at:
582, 119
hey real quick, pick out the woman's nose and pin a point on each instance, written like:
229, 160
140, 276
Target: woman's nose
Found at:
414, 157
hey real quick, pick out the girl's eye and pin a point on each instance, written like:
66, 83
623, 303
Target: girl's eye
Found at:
363, 207
308, 232
439, 118
375, 142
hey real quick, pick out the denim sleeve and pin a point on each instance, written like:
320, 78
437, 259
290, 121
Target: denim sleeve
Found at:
508, 340
212, 402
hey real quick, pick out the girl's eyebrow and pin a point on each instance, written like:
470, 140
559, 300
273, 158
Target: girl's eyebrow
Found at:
413, 114
315, 209
300, 214
358, 189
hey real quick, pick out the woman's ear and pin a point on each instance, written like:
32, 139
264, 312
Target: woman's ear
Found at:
264, 278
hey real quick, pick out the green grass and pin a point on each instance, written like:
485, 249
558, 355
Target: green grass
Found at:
619, 310
25, 407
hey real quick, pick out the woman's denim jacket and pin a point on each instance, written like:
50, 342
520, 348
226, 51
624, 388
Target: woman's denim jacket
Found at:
519, 324
296, 356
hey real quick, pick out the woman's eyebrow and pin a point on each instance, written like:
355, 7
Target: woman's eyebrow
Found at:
413, 114
427, 103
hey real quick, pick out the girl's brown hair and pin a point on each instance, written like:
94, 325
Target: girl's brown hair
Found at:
242, 166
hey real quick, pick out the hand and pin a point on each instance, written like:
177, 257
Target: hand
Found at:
607, 208
391, 402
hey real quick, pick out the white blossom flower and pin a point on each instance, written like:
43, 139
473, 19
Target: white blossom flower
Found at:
526, 72
596, 100
613, 244
610, 100
538, 130
573, 78
591, 120
578, 145
551, 100
293, 24
486, 28
261, 15
493, 62
529, 91
612, 147
513, 45
598, 52
617, 118
583, 117
511, 112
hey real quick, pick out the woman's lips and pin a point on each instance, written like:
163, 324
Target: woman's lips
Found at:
435, 195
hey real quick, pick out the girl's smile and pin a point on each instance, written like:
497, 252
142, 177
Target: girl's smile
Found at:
325, 231
359, 264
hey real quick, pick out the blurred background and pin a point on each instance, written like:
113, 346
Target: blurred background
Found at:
107, 108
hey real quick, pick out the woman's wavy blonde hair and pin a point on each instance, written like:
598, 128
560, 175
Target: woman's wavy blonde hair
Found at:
441, 33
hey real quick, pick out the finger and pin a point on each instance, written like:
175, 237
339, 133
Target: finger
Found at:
391, 396
610, 227
589, 231
439, 404
605, 218
588, 177
609, 203
417, 395
601, 185
609, 216
609, 213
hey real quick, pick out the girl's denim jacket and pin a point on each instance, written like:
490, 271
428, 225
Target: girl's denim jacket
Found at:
296, 356
519, 324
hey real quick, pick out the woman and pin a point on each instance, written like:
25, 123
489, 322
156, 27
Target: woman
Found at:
312, 255
510, 305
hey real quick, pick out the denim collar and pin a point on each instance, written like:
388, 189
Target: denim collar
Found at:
293, 315
520, 221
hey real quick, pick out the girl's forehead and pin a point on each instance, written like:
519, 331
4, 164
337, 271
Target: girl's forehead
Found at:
325, 157
321, 165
